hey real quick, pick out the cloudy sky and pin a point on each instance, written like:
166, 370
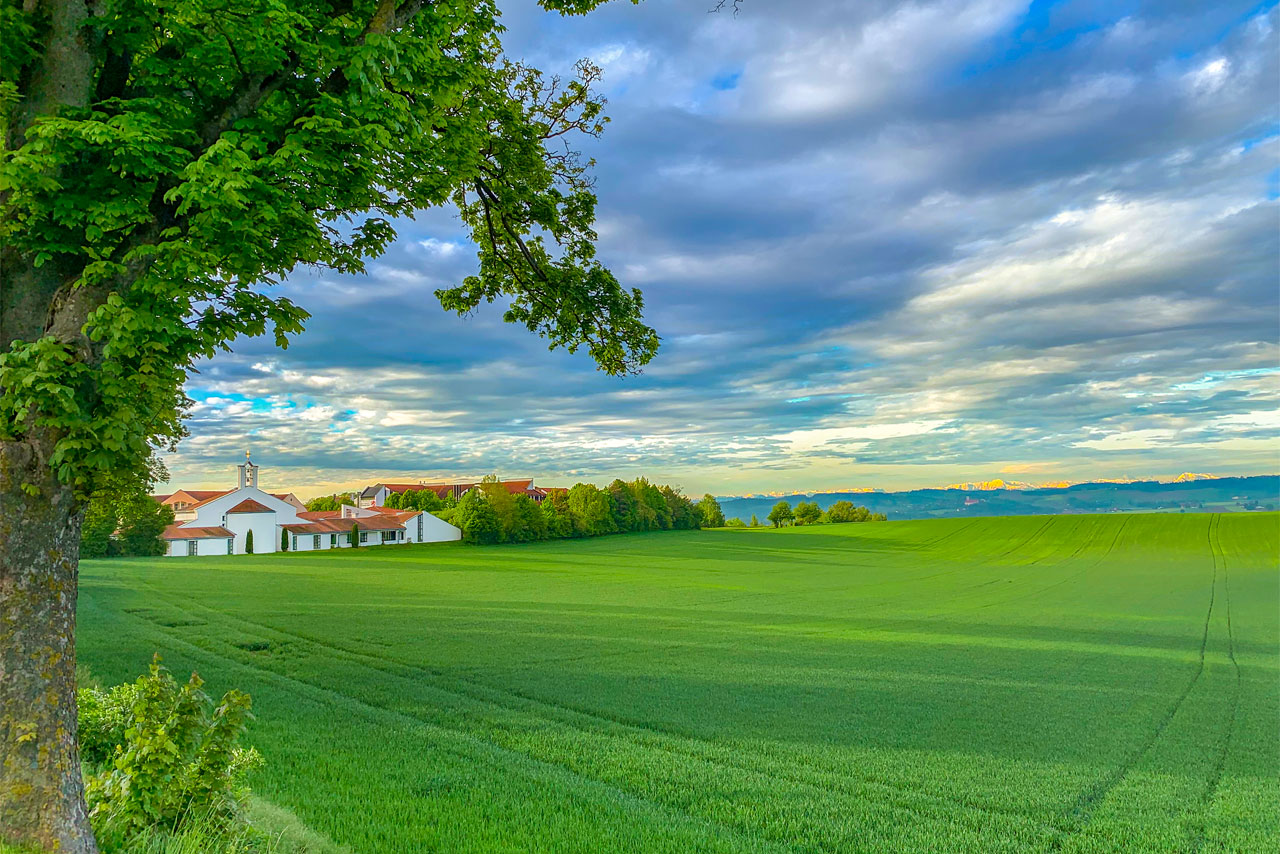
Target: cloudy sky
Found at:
885, 244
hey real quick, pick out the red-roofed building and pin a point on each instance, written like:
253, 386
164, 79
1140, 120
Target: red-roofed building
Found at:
219, 522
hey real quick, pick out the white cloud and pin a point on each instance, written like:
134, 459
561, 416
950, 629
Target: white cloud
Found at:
1210, 77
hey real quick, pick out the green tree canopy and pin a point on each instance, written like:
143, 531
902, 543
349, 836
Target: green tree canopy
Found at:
477, 519
807, 513
710, 513
781, 514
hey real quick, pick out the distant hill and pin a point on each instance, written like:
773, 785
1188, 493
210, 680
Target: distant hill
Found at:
1189, 493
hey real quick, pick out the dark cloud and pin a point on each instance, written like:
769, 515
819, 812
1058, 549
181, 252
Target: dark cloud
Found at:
887, 243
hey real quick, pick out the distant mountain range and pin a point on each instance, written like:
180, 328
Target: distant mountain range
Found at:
1188, 492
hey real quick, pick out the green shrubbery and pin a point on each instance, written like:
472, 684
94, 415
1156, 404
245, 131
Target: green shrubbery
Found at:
419, 499
126, 525
330, 502
490, 514
163, 763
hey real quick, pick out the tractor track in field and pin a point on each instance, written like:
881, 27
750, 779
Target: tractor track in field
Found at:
1197, 831
1097, 563
548, 769
671, 742
1081, 812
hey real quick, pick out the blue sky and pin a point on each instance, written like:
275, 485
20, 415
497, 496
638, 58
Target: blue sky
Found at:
885, 244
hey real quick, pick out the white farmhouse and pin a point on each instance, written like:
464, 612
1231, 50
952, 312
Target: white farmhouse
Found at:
220, 523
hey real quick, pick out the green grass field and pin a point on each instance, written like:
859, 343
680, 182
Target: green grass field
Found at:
1067, 683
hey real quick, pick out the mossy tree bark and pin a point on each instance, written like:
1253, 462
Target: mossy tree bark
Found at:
41, 791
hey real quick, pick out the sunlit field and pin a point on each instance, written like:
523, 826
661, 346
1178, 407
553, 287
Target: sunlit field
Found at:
1067, 683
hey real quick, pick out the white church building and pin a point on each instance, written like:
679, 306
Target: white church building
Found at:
221, 523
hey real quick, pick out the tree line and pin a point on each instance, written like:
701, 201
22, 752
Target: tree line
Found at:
809, 513
490, 514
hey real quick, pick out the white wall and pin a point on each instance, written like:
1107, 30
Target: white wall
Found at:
204, 545
266, 535
434, 530
304, 542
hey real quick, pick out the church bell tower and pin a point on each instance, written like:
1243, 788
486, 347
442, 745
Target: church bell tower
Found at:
248, 473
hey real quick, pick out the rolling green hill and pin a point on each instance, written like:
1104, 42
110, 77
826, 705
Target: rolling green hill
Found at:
1214, 495
1068, 683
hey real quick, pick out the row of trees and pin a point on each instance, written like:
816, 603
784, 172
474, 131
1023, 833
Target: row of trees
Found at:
419, 499
809, 513
490, 514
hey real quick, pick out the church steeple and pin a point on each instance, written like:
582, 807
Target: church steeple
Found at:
248, 473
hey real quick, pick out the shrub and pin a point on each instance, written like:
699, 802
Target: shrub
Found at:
355, 535
284, 540
142, 524
178, 757
103, 717
248, 542
100, 522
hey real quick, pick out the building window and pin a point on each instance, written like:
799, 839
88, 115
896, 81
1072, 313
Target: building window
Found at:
315, 541
388, 536
192, 547
231, 547
364, 536
333, 541
419, 527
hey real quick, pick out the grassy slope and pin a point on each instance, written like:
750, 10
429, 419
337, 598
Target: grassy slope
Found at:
1073, 683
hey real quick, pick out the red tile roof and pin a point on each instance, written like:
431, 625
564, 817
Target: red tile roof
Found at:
402, 487
177, 532
515, 487
382, 522
315, 515
208, 496
250, 506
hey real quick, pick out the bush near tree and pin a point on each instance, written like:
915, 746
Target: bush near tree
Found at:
159, 757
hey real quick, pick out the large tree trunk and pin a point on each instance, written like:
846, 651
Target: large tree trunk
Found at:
41, 791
